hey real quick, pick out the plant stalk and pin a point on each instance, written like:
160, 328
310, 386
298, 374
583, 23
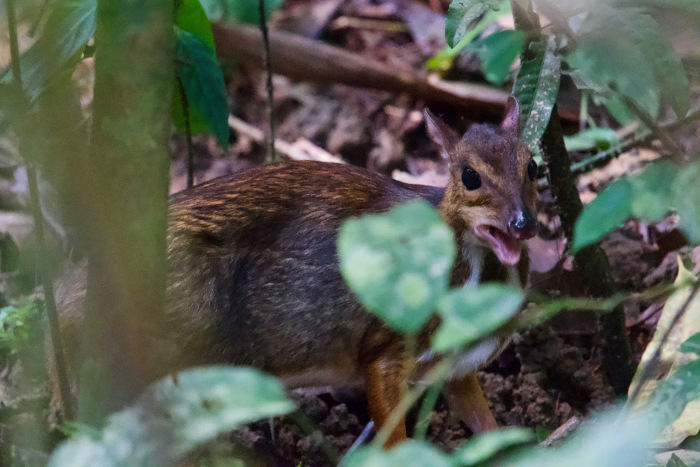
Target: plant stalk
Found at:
271, 153
188, 133
45, 270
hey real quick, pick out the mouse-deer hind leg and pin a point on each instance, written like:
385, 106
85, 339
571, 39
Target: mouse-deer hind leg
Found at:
467, 400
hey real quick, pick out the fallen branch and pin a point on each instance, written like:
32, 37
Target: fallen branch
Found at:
310, 60
301, 150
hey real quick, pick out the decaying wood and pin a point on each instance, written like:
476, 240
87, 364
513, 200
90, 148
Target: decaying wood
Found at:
309, 60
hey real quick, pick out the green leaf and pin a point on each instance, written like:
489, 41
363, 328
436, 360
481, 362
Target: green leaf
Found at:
609, 56
607, 440
692, 345
468, 314
244, 11
686, 194
537, 88
69, 26
486, 445
649, 195
408, 454
608, 210
190, 17
200, 74
675, 461
675, 392
173, 417
398, 263
498, 51
671, 78
16, 325
461, 14
663, 388
594, 138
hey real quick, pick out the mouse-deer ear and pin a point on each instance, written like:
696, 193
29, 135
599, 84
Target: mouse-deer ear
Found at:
440, 133
512, 116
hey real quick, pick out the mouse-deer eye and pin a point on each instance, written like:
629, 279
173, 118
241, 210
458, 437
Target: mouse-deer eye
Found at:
532, 169
471, 179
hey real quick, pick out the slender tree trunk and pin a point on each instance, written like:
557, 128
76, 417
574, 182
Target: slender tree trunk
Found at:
126, 201
617, 354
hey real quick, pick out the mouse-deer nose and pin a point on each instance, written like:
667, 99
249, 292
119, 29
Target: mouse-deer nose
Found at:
523, 225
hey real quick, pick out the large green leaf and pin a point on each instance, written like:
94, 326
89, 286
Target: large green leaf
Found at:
676, 334
174, 416
498, 51
245, 11
671, 77
692, 344
461, 14
69, 26
608, 57
408, 454
200, 74
607, 440
398, 263
660, 188
468, 314
483, 447
537, 88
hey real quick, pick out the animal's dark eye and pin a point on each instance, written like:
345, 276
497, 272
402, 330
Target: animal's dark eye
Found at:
471, 179
532, 169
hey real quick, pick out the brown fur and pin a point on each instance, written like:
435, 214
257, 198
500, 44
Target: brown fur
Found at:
253, 277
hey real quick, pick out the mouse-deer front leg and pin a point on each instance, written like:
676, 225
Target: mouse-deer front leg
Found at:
385, 385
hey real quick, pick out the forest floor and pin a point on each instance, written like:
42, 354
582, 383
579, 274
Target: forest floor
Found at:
546, 375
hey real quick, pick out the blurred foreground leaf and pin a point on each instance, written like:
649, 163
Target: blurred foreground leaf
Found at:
407, 454
173, 417
398, 263
468, 314
485, 446
70, 25
662, 187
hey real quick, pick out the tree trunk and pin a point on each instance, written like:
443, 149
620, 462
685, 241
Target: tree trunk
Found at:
126, 202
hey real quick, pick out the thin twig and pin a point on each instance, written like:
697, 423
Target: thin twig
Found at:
643, 136
49, 299
676, 151
188, 133
271, 155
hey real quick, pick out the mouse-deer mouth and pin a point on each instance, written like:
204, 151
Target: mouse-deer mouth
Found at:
506, 246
